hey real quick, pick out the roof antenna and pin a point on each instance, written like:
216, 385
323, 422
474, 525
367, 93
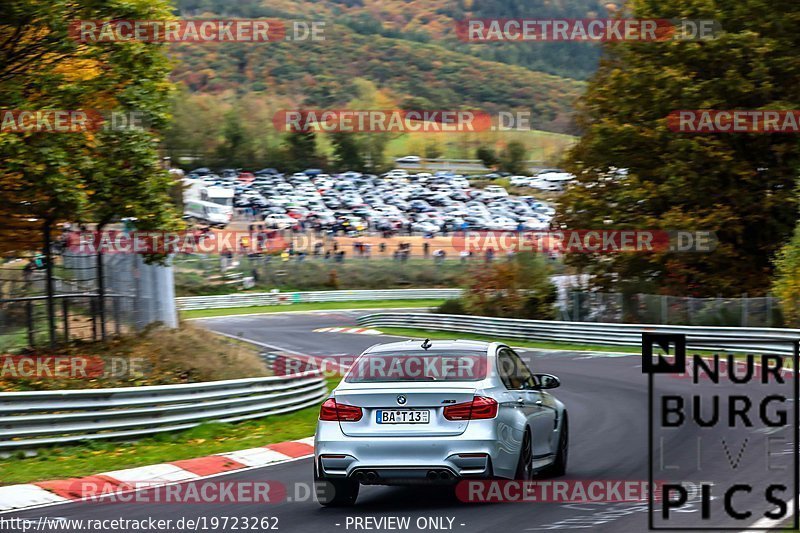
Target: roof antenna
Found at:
426, 344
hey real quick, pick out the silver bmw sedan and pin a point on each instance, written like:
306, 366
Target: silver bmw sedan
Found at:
437, 412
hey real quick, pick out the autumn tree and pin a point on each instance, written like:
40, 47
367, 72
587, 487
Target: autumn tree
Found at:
195, 130
300, 149
236, 148
487, 156
515, 287
737, 185
787, 282
89, 176
433, 150
346, 152
512, 158
373, 144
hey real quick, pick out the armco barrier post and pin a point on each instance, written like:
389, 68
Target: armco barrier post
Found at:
65, 317
745, 310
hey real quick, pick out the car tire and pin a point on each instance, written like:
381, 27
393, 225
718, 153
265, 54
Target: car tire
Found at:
335, 492
525, 462
559, 466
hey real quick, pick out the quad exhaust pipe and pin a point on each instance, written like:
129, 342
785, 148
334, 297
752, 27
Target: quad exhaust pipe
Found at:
369, 476
442, 475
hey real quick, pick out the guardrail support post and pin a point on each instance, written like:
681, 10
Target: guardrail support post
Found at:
745, 310
93, 311
576, 306
768, 321
51, 311
65, 318
115, 307
29, 319
101, 291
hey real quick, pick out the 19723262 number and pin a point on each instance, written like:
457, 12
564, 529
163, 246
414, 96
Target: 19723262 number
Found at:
238, 523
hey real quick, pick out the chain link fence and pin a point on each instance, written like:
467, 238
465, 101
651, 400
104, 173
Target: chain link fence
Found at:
660, 309
88, 300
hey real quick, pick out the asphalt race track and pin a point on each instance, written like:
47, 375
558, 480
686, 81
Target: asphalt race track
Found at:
608, 406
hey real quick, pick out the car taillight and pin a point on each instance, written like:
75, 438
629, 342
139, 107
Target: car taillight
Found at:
348, 413
328, 411
331, 412
479, 408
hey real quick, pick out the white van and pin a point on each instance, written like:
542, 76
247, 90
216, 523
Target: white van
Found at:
198, 190
208, 212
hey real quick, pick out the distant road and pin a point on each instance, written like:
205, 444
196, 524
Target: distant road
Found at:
457, 165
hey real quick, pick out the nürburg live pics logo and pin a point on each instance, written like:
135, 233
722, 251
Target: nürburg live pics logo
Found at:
723, 444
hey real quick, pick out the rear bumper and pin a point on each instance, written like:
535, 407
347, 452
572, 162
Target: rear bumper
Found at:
404, 460
433, 475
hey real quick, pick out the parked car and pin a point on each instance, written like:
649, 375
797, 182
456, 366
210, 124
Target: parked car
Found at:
495, 190
279, 221
387, 202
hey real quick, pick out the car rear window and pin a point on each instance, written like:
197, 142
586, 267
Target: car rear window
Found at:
421, 366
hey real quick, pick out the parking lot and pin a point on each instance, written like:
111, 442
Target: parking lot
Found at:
395, 203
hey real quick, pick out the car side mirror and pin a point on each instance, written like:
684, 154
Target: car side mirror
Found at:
548, 381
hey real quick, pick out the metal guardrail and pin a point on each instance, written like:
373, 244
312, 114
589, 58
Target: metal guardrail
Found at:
734, 339
277, 298
31, 419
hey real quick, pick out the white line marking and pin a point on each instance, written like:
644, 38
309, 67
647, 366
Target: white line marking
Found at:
302, 312
765, 522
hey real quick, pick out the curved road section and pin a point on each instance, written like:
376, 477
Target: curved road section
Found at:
607, 399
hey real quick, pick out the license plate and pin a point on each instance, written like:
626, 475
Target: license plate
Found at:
402, 416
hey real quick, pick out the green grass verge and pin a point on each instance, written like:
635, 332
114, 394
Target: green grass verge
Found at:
436, 334
318, 275
62, 462
541, 145
317, 306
